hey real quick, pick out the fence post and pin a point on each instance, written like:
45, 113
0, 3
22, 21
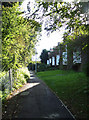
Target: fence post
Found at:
10, 76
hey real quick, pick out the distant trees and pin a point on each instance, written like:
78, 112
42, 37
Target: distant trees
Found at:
44, 56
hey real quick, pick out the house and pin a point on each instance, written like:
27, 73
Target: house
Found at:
58, 56
54, 56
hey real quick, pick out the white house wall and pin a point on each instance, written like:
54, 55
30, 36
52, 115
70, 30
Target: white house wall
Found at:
53, 60
48, 62
57, 59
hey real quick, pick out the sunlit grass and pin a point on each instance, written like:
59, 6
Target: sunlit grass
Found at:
71, 87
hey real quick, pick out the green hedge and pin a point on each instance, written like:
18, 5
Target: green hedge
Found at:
42, 67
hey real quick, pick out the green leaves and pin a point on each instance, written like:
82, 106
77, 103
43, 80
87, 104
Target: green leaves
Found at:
44, 56
59, 13
18, 37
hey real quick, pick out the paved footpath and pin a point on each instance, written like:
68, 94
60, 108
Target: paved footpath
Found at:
38, 101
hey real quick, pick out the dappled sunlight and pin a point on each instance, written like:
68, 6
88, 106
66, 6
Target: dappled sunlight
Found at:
22, 89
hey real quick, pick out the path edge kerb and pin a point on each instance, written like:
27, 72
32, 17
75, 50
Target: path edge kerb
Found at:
55, 95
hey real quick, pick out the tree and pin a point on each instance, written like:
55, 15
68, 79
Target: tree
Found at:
18, 38
44, 56
73, 15
57, 13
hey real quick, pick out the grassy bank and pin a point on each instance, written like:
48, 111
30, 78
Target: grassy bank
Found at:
71, 87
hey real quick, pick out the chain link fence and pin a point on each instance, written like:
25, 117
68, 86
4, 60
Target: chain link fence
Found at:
6, 82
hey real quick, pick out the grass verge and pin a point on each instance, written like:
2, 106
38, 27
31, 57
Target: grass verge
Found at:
71, 87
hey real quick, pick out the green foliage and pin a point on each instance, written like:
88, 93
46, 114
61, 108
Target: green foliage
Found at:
42, 67
22, 77
8, 4
18, 38
5, 94
4, 85
58, 13
25, 72
2, 74
0, 94
44, 56
86, 68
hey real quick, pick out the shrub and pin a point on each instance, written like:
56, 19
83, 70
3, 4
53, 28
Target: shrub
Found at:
23, 75
20, 78
86, 69
25, 72
0, 94
42, 67
2, 74
4, 87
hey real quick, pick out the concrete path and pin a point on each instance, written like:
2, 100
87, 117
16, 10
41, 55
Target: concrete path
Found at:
38, 101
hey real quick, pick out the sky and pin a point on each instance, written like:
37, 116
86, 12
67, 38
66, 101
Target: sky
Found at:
46, 42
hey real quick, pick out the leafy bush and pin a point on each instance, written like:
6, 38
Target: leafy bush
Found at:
4, 88
2, 74
86, 68
5, 94
22, 76
25, 72
0, 94
31, 66
42, 67
20, 79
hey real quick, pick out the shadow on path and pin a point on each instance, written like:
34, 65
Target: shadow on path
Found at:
36, 101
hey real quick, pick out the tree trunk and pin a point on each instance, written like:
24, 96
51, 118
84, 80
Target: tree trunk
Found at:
69, 58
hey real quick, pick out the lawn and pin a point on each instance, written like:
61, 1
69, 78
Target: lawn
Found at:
71, 87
